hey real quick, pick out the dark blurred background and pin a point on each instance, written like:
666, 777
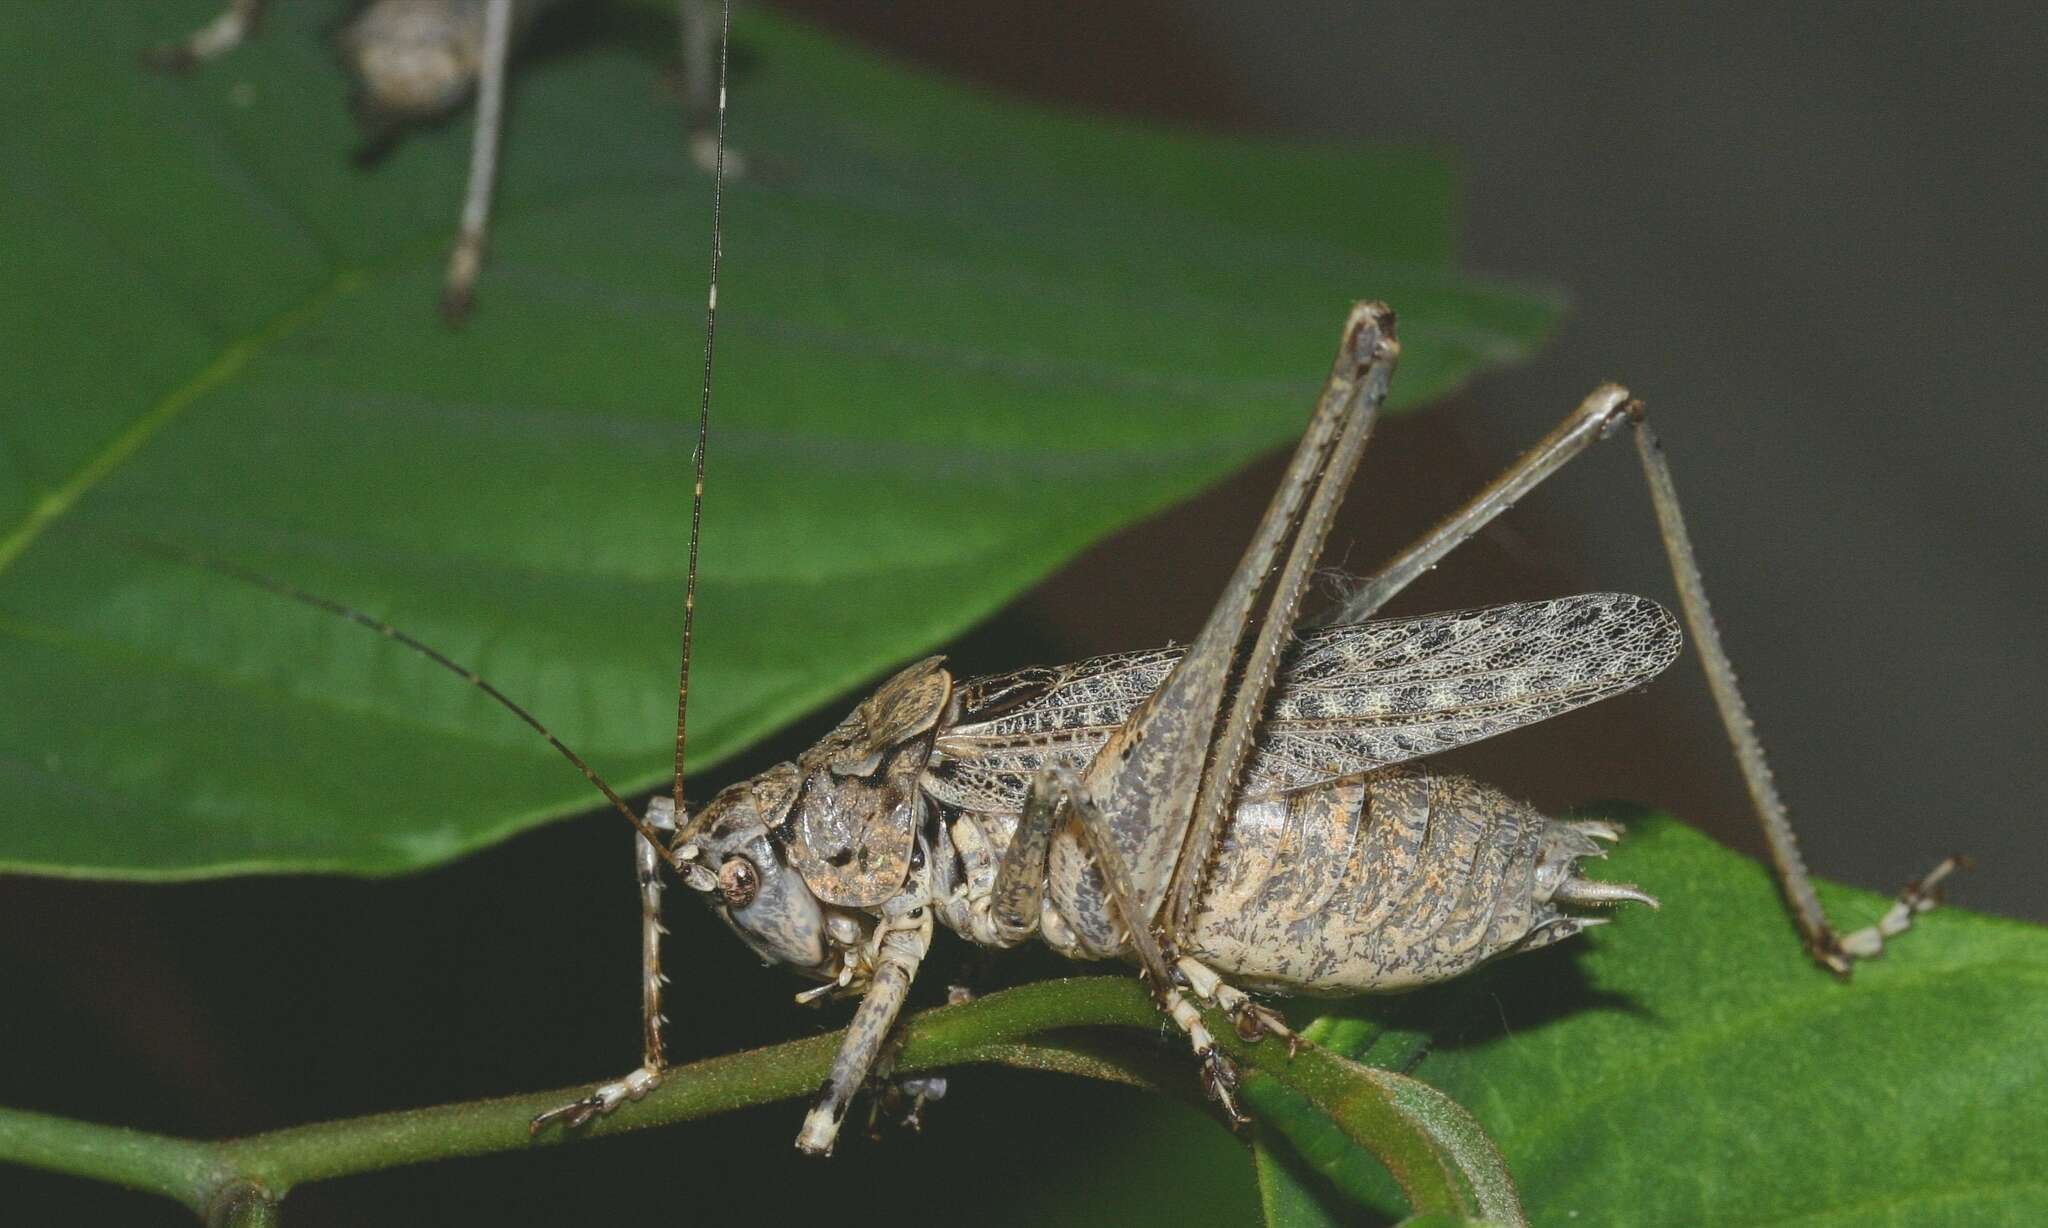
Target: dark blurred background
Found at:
1808, 236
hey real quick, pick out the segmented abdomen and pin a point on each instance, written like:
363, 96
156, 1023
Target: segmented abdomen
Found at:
1388, 880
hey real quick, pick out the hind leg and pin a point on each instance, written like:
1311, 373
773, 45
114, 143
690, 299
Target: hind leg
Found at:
1605, 413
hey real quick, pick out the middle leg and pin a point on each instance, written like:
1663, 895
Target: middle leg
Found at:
1055, 795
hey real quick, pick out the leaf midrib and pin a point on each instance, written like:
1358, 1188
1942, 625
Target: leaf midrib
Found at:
225, 366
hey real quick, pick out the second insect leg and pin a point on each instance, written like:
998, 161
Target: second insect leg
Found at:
1055, 794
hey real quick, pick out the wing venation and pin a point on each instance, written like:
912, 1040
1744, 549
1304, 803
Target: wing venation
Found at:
1349, 699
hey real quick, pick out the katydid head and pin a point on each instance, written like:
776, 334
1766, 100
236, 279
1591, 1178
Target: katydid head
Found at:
796, 858
731, 852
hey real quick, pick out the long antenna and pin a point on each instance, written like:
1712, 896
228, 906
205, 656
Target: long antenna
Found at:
703, 411
247, 575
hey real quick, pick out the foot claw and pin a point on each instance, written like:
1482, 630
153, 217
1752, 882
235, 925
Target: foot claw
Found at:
1839, 952
1219, 1082
1255, 1022
904, 1100
577, 1114
571, 1116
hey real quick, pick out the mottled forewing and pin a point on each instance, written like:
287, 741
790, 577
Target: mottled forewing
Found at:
1356, 698
1349, 699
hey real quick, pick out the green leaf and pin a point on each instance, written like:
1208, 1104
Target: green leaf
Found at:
1338, 1117
959, 339
1690, 1066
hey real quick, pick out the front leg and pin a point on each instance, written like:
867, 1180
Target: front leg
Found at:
661, 817
901, 950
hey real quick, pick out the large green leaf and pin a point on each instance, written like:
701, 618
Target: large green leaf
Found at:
1690, 1067
959, 339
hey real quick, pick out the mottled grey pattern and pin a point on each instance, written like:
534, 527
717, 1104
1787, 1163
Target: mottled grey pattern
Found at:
1349, 699
851, 830
1386, 881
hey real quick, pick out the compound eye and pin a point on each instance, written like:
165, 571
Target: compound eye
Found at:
738, 882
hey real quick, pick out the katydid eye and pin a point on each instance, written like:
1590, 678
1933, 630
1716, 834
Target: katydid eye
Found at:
738, 882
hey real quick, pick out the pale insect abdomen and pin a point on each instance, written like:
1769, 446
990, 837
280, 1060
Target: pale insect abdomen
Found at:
1384, 881
1380, 881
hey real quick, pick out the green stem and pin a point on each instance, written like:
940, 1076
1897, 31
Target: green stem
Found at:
183, 1169
237, 1181
1435, 1151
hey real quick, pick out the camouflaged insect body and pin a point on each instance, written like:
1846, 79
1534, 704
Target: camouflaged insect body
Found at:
1339, 871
